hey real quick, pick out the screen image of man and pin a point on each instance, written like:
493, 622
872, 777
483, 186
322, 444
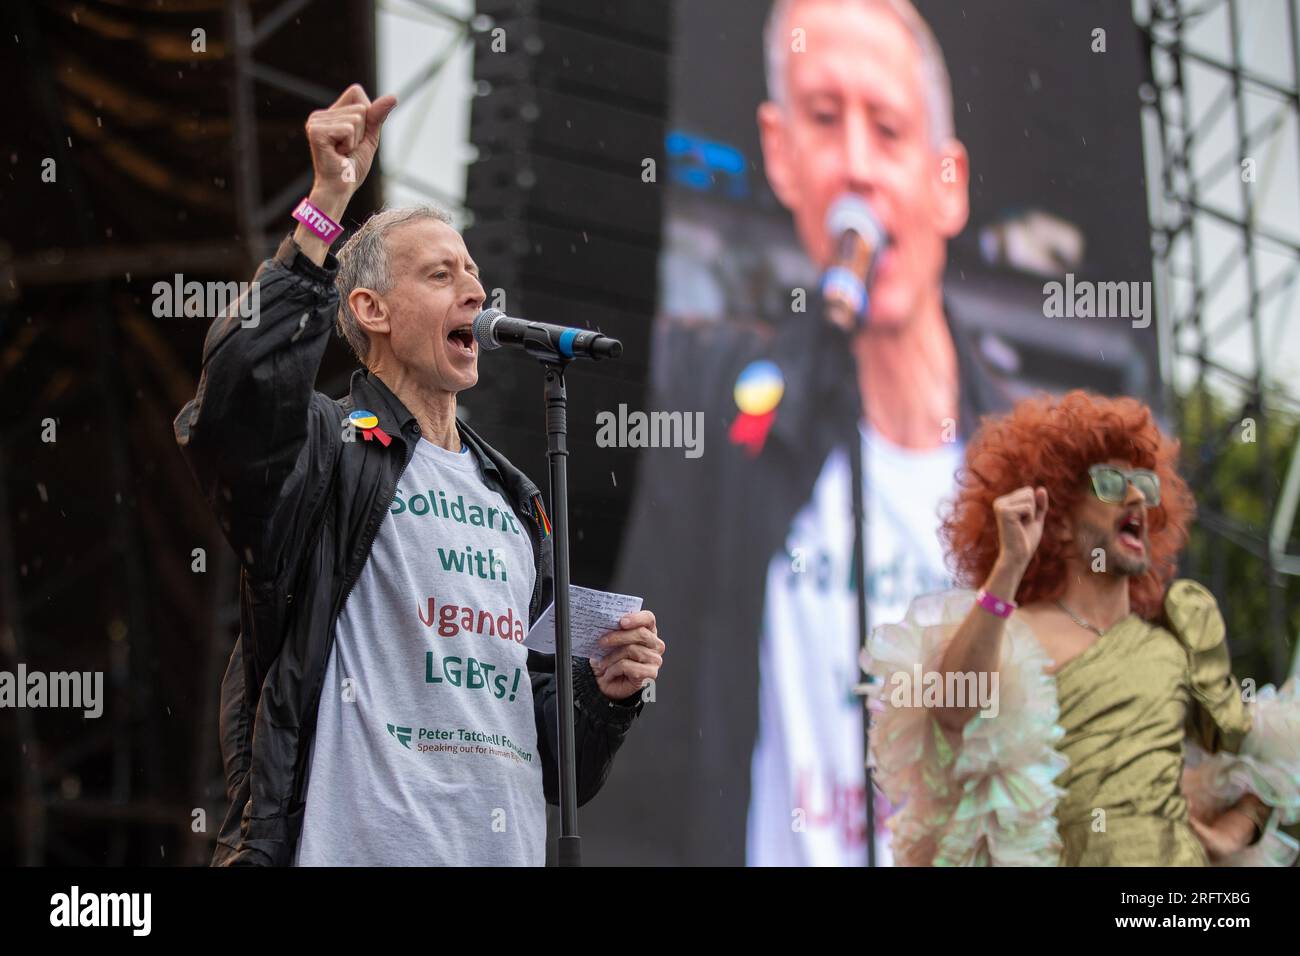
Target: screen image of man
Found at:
380, 707
750, 547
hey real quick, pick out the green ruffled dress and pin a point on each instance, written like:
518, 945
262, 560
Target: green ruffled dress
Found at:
1092, 766
1127, 703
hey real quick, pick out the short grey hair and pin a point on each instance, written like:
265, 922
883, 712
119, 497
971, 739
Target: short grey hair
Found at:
363, 264
935, 82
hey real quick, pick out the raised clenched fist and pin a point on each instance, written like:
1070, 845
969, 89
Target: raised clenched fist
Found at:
344, 139
1020, 516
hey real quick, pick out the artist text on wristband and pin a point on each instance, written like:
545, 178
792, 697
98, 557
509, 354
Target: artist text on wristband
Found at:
315, 220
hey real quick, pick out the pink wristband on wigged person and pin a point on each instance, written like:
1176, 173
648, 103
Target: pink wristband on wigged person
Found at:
994, 605
317, 221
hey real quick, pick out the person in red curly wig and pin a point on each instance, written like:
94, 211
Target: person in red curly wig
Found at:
1050, 444
1069, 518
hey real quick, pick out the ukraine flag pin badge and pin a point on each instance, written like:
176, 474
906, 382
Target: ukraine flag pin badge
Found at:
368, 423
758, 391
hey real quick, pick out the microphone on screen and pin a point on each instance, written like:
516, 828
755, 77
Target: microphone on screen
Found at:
859, 239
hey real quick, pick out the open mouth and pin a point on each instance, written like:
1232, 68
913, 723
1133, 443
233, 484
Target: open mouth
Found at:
462, 339
1131, 529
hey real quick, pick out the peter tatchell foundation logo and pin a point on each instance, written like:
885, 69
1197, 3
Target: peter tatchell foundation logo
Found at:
401, 734
457, 740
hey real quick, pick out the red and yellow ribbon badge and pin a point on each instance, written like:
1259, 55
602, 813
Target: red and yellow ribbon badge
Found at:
368, 422
757, 392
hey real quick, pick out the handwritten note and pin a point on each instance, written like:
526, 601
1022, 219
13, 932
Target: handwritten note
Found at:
591, 614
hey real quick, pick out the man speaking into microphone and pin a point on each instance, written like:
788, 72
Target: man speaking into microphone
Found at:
380, 707
767, 734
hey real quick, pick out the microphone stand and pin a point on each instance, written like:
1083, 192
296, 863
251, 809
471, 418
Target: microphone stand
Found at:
857, 475
557, 453
555, 353
860, 551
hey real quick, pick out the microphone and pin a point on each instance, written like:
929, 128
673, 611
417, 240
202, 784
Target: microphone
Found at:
493, 329
859, 240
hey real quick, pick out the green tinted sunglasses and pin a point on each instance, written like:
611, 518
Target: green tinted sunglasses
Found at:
1110, 484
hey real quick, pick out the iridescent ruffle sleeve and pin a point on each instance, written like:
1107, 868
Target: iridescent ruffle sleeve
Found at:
1240, 741
986, 796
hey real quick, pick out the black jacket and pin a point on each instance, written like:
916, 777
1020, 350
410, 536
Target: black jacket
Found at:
301, 503
701, 535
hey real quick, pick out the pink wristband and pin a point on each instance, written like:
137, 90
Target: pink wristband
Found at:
995, 606
317, 221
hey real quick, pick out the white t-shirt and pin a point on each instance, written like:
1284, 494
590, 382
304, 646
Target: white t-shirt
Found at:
425, 751
808, 779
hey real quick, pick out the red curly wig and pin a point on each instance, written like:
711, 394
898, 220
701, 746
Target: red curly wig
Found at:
1051, 442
